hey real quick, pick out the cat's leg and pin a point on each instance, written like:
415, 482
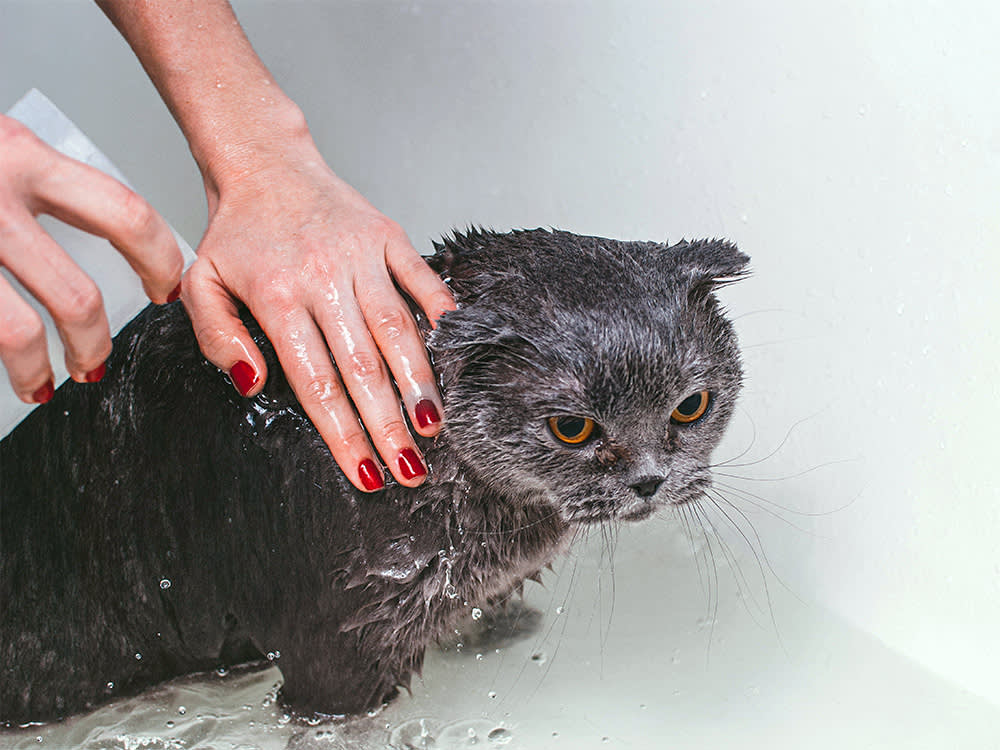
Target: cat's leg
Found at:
328, 674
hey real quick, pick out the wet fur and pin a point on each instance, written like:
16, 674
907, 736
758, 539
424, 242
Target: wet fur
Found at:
156, 523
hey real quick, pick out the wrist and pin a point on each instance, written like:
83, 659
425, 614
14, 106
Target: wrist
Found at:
241, 145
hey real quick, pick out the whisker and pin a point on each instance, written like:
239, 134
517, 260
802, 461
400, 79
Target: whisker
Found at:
790, 476
759, 546
710, 555
753, 440
742, 582
728, 463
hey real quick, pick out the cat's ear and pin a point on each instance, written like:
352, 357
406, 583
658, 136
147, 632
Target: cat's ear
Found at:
707, 265
475, 337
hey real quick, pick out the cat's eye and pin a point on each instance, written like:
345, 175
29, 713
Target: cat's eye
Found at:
571, 430
692, 408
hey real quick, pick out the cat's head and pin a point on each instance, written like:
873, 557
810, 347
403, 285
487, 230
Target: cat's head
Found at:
592, 374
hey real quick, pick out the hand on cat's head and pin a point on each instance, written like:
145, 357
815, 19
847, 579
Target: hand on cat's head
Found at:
586, 373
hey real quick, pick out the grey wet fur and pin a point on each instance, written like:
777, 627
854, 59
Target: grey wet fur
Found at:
156, 523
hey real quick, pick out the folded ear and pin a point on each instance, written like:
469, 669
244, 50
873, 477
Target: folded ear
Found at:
707, 265
474, 338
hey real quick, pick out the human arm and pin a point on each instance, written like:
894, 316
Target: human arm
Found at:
36, 179
316, 264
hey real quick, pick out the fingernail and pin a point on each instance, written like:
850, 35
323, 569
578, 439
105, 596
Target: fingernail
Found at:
410, 465
370, 476
96, 374
44, 394
427, 413
244, 377
174, 295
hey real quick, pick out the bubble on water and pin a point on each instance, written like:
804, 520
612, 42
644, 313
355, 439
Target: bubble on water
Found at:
479, 657
181, 710
538, 657
415, 734
164, 583
476, 613
605, 739
171, 724
500, 736
222, 671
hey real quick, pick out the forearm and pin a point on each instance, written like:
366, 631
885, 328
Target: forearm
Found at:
221, 94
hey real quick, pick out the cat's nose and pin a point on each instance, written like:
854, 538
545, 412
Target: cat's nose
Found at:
647, 486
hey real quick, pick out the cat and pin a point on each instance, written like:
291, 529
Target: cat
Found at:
156, 523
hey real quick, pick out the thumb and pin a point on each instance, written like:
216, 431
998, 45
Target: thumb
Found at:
222, 337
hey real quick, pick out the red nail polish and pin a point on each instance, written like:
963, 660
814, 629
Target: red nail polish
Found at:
174, 295
244, 377
426, 413
96, 374
44, 394
370, 476
410, 465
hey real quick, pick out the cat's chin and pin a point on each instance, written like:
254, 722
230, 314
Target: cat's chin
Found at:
633, 512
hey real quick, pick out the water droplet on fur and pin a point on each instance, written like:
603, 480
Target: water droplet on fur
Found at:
476, 613
164, 583
450, 591
272, 655
500, 736
110, 686
138, 657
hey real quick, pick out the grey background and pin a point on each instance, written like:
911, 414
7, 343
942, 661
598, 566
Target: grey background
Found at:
851, 148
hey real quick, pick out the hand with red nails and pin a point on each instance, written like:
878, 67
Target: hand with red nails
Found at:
317, 265
36, 179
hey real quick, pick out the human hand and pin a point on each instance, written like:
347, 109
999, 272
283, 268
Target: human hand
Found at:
36, 179
318, 267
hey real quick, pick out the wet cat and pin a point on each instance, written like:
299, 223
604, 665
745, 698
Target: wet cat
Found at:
156, 523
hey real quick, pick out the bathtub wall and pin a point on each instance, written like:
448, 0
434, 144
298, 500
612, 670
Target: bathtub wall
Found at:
851, 148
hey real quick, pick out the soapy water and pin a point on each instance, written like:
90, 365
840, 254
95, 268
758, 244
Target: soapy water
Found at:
482, 686
237, 710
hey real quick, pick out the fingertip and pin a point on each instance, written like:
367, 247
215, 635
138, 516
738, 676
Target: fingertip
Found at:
44, 394
427, 417
245, 378
370, 476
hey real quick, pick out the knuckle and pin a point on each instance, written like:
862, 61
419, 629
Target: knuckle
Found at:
141, 221
365, 367
392, 430
389, 324
82, 305
322, 390
21, 334
353, 438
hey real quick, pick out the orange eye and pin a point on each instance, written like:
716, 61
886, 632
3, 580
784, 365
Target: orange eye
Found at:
692, 408
571, 430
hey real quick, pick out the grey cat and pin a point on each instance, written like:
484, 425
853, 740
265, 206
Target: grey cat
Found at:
156, 523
